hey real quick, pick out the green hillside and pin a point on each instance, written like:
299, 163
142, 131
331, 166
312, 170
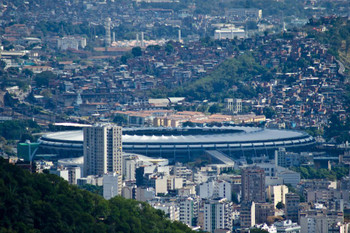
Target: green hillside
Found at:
47, 203
227, 80
336, 36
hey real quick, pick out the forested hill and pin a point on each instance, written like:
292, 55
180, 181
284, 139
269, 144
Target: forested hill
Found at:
47, 203
219, 84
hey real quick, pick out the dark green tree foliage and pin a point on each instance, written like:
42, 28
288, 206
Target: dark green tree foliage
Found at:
188, 124
162, 31
67, 28
215, 108
44, 78
12, 77
337, 129
125, 57
120, 119
13, 70
312, 173
169, 48
269, 7
347, 97
93, 188
2, 65
337, 35
269, 112
136, 52
280, 205
9, 101
256, 230
18, 129
293, 190
47, 203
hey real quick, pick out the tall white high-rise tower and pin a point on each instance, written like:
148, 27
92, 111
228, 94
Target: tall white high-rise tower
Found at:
142, 39
102, 149
108, 32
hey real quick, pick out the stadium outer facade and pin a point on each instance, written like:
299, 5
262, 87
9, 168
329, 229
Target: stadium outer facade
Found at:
185, 143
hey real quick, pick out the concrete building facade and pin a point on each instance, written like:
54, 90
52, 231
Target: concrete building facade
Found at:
247, 215
102, 149
253, 184
263, 211
277, 193
217, 215
189, 211
112, 185
292, 206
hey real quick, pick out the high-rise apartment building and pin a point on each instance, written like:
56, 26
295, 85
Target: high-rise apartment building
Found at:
247, 215
108, 32
280, 157
292, 207
321, 222
217, 215
216, 189
253, 184
189, 211
277, 193
233, 105
129, 167
102, 149
286, 159
71, 42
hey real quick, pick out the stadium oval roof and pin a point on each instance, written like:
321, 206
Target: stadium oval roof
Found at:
206, 135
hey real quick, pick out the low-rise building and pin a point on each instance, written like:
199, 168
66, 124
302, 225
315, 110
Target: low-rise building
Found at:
287, 226
112, 185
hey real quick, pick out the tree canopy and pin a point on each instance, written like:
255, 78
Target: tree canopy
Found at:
280, 205
312, 173
47, 203
225, 81
44, 78
15, 129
